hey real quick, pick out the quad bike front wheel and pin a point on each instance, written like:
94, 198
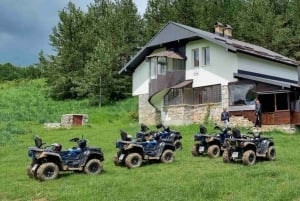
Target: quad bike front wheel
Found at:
167, 156
195, 151
213, 151
178, 145
271, 154
47, 171
249, 157
133, 160
116, 160
93, 167
30, 173
226, 158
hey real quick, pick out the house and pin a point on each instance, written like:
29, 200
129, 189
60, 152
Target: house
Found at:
184, 75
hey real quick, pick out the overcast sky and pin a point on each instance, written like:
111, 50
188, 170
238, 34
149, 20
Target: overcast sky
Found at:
25, 26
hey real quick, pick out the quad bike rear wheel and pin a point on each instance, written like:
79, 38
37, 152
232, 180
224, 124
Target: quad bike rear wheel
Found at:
271, 154
195, 151
178, 145
47, 171
93, 167
167, 156
133, 160
249, 157
213, 151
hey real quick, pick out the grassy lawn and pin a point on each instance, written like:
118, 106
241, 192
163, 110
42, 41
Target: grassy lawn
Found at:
188, 178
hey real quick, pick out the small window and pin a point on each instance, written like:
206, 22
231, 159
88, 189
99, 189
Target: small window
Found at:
206, 56
195, 57
153, 68
162, 65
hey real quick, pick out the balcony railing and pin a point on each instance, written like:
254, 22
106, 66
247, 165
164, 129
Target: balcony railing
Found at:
167, 80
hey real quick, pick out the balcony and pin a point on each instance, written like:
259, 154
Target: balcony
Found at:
167, 80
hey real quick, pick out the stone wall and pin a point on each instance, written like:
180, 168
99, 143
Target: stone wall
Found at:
188, 114
178, 115
67, 119
147, 113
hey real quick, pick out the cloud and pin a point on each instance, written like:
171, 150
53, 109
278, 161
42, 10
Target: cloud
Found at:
25, 26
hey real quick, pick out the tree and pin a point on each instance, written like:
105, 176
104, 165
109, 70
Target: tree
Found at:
158, 13
117, 26
73, 50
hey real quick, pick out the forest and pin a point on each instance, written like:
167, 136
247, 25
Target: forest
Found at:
91, 47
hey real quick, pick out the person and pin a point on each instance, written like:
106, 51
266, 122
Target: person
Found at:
257, 113
225, 117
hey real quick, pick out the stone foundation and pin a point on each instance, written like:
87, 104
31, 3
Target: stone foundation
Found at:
147, 113
188, 114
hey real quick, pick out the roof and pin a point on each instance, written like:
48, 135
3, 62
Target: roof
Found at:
170, 54
182, 84
266, 79
175, 32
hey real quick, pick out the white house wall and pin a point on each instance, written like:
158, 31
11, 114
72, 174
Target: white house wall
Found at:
261, 66
220, 70
140, 79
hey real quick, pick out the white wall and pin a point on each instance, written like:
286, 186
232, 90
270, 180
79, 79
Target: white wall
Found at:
220, 70
257, 65
140, 79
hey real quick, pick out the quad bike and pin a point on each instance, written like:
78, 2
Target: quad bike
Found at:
133, 153
48, 161
210, 144
171, 135
247, 148
164, 134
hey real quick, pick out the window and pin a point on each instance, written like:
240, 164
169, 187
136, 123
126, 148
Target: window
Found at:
162, 65
153, 68
178, 64
174, 97
206, 56
193, 96
195, 57
208, 94
242, 94
282, 101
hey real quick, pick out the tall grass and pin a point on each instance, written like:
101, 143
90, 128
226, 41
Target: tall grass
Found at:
188, 178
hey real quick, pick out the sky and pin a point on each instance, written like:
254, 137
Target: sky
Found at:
25, 26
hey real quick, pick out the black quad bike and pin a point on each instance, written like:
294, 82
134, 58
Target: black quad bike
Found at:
162, 134
210, 144
140, 135
133, 153
171, 135
48, 161
248, 148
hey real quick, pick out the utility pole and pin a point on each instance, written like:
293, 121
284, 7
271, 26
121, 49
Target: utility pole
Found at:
100, 86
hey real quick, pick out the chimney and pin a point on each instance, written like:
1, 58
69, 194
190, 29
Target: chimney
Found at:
219, 29
228, 31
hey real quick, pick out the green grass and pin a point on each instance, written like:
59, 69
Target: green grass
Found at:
188, 178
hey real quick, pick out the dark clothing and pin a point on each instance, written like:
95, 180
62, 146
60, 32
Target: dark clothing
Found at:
225, 116
258, 114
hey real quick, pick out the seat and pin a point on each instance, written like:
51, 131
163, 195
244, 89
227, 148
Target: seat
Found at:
236, 133
38, 141
124, 135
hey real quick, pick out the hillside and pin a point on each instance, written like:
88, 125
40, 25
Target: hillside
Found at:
25, 103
